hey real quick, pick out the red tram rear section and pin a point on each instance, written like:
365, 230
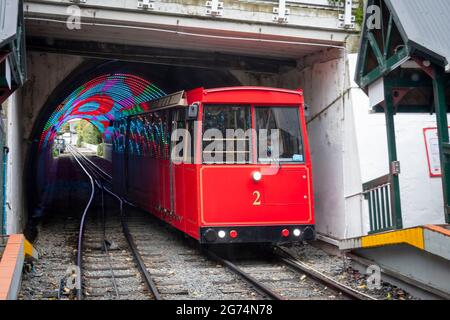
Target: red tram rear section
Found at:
226, 165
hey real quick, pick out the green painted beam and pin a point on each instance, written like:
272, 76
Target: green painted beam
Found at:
439, 86
396, 207
388, 36
389, 65
376, 49
408, 83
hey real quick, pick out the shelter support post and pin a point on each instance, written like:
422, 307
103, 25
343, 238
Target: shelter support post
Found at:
439, 82
396, 208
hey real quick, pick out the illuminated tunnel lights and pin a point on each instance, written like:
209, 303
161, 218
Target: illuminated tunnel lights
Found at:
101, 100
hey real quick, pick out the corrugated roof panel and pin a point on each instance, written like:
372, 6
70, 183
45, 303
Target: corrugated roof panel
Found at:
426, 24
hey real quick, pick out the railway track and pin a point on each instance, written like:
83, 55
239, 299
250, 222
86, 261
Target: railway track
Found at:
171, 268
108, 265
280, 277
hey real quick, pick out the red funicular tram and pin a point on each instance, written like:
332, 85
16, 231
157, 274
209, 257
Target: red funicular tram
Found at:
227, 165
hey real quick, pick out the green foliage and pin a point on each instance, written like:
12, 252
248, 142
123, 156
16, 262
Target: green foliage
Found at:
359, 12
87, 133
101, 150
91, 135
79, 128
55, 153
65, 128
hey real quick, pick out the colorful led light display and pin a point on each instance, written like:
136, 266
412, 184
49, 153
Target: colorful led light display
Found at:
105, 98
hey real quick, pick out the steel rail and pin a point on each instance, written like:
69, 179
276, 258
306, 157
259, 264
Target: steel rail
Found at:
105, 246
140, 262
81, 232
94, 179
100, 174
299, 266
256, 284
106, 176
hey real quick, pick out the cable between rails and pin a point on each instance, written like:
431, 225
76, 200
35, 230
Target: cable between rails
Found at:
81, 232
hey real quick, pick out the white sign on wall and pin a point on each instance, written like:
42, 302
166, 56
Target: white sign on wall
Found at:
432, 147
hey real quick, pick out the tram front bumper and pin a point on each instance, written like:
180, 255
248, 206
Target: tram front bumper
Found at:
257, 234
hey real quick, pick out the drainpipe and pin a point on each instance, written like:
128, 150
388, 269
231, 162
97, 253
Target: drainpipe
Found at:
5, 171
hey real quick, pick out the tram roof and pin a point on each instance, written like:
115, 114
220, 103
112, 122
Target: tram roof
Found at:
246, 95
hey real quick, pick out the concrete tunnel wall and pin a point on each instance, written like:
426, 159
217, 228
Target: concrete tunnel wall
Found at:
324, 79
45, 73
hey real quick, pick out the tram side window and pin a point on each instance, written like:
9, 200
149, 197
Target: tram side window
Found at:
161, 134
136, 138
149, 147
119, 133
226, 134
279, 134
185, 138
149, 135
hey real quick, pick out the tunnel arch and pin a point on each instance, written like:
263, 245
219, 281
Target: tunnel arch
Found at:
100, 101
84, 89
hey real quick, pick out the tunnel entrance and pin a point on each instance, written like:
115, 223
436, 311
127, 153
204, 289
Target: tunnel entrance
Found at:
100, 92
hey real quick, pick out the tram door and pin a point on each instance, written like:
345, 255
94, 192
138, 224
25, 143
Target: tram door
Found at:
176, 170
182, 169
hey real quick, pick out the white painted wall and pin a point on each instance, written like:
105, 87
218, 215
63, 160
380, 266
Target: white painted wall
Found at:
323, 80
15, 210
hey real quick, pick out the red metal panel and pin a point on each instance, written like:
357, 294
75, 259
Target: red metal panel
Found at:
246, 95
179, 199
191, 195
283, 198
165, 184
226, 195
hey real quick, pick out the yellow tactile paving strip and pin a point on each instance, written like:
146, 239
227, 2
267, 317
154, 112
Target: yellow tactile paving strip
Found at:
419, 237
413, 237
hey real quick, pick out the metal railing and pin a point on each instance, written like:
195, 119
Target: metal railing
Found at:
378, 192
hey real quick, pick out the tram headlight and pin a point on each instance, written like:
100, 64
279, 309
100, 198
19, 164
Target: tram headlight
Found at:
297, 232
257, 176
222, 234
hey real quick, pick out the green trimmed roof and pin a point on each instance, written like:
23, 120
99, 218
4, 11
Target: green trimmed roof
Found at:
422, 28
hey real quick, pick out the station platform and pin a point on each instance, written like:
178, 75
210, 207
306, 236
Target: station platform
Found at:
420, 255
15, 251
